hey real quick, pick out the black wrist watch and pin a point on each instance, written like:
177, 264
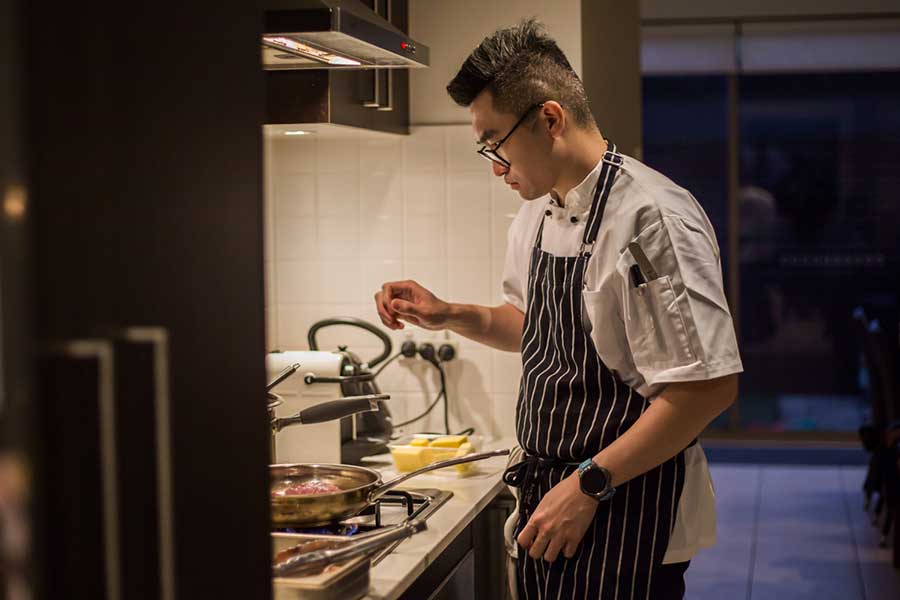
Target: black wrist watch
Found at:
595, 481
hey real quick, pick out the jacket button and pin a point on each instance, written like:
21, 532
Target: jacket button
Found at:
573, 219
548, 212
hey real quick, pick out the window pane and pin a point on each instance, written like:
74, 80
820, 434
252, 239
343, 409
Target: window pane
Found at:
819, 216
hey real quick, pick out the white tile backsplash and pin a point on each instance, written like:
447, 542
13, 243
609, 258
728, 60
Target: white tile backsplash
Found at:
295, 195
507, 369
378, 272
293, 156
426, 195
382, 237
271, 298
468, 202
338, 195
338, 237
297, 319
298, 282
461, 151
431, 274
424, 238
349, 213
469, 280
340, 281
381, 194
295, 239
424, 149
381, 155
338, 155
271, 328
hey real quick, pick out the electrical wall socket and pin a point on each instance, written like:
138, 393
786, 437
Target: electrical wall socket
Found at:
451, 343
435, 340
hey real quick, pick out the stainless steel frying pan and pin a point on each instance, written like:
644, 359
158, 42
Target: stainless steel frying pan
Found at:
359, 487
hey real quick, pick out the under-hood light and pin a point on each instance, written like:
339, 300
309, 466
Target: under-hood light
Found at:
298, 132
295, 47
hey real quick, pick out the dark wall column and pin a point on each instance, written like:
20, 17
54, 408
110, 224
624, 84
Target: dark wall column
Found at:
15, 321
145, 153
611, 64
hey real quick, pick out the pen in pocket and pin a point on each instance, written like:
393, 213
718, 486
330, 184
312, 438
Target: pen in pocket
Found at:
637, 278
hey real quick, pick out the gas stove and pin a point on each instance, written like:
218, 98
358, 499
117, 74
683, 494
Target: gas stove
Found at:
393, 508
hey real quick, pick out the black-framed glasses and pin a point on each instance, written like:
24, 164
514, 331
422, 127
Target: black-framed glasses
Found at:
490, 153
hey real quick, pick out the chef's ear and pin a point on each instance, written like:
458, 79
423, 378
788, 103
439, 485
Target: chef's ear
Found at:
554, 117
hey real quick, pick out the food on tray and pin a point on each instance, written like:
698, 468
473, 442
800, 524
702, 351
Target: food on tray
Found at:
409, 458
304, 547
449, 441
310, 546
421, 452
310, 487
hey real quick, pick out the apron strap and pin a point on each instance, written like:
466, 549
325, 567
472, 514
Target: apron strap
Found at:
523, 475
612, 161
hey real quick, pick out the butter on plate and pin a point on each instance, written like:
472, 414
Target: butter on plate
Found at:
415, 455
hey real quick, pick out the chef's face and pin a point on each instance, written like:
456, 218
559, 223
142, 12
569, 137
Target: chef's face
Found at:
527, 150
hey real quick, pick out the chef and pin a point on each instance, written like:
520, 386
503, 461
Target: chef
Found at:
614, 297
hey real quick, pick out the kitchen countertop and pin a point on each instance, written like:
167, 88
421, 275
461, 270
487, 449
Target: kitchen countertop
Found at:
399, 569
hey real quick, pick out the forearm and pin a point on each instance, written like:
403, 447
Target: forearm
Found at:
496, 326
671, 422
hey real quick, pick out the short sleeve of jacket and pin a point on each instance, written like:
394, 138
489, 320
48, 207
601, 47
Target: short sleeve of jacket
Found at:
677, 326
518, 255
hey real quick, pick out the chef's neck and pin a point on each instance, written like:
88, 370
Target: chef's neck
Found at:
584, 149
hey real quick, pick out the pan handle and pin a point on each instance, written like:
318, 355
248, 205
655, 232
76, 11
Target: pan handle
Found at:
380, 491
320, 558
332, 410
285, 373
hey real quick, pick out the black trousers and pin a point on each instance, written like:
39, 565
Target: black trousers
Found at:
668, 581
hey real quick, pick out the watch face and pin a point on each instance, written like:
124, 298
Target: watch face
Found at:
593, 481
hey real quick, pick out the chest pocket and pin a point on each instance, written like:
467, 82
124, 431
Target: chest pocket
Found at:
658, 330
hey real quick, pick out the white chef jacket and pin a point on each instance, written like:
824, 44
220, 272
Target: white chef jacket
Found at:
677, 327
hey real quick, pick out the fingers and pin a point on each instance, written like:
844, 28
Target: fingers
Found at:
546, 544
553, 548
526, 537
539, 546
409, 291
382, 305
405, 308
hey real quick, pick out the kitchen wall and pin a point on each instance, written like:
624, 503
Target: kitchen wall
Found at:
347, 211
453, 29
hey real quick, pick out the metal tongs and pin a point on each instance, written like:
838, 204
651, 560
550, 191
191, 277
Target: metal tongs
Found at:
313, 561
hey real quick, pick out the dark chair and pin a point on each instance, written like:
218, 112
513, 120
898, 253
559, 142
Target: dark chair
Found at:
884, 470
870, 432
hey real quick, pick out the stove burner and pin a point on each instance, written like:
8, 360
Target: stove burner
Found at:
343, 529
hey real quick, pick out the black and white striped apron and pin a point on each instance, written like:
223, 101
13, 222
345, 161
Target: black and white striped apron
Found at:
570, 407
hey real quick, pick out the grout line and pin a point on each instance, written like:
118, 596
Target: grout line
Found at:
846, 501
754, 543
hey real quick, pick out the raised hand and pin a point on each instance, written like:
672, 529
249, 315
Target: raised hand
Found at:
399, 301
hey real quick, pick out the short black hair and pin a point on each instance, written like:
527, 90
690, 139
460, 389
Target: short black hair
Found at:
521, 66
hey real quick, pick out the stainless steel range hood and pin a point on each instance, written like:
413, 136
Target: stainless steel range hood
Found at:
335, 34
